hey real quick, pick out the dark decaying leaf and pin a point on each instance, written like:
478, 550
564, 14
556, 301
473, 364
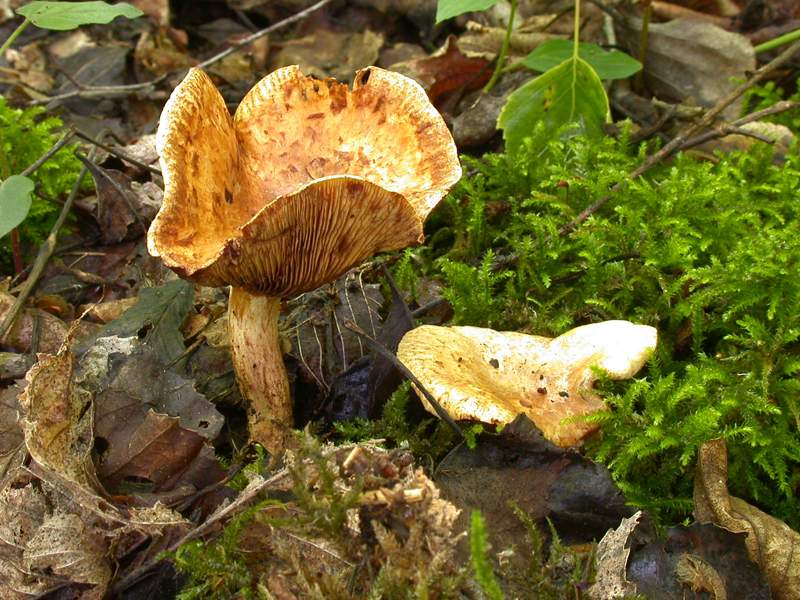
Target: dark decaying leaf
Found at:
58, 419
770, 542
362, 390
161, 311
124, 210
12, 439
31, 324
322, 344
447, 71
519, 466
152, 437
328, 53
691, 59
699, 556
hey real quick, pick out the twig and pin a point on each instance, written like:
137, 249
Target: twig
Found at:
98, 171
60, 143
387, 354
259, 34
735, 126
122, 90
45, 252
243, 499
117, 153
101, 91
681, 138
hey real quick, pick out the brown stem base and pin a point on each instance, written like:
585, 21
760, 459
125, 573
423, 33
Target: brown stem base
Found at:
258, 362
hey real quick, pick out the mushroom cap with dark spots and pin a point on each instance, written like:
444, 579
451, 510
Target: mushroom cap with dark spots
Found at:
309, 177
492, 376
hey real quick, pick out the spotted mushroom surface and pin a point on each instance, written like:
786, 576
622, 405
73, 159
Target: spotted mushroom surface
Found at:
307, 179
490, 376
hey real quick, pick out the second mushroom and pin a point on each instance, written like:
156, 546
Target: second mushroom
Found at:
308, 179
494, 376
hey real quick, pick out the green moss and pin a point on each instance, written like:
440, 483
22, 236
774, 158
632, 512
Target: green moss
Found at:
428, 439
764, 96
707, 253
25, 135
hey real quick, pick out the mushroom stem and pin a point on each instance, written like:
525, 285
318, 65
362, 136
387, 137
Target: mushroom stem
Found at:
258, 362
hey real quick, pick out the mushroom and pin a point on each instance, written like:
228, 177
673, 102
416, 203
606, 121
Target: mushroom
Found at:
491, 376
308, 179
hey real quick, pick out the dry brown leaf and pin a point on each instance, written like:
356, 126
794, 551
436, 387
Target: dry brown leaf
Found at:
331, 54
772, 544
612, 562
66, 546
692, 59
51, 330
446, 71
12, 440
58, 419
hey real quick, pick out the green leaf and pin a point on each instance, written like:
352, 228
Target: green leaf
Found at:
163, 310
447, 9
15, 202
608, 64
61, 16
571, 93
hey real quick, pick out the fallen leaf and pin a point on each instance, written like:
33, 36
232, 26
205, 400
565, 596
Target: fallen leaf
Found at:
65, 546
665, 568
12, 439
51, 331
691, 59
772, 544
519, 466
447, 71
123, 211
160, 311
612, 562
152, 438
331, 54
58, 419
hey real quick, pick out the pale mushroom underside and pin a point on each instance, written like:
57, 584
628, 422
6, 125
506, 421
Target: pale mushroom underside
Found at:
306, 170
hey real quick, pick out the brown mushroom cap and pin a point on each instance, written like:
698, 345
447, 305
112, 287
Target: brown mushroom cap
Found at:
491, 376
309, 177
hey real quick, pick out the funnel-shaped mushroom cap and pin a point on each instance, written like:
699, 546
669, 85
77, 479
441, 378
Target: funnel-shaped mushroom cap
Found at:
308, 179
491, 376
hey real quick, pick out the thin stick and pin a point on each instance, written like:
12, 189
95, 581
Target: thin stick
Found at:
501, 58
104, 91
116, 152
735, 126
259, 34
45, 252
121, 90
96, 169
680, 139
387, 354
241, 500
60, 143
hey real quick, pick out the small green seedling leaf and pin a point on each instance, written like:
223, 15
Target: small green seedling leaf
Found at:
571, 93
15, 202
608, 64
447, 9
61, 16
